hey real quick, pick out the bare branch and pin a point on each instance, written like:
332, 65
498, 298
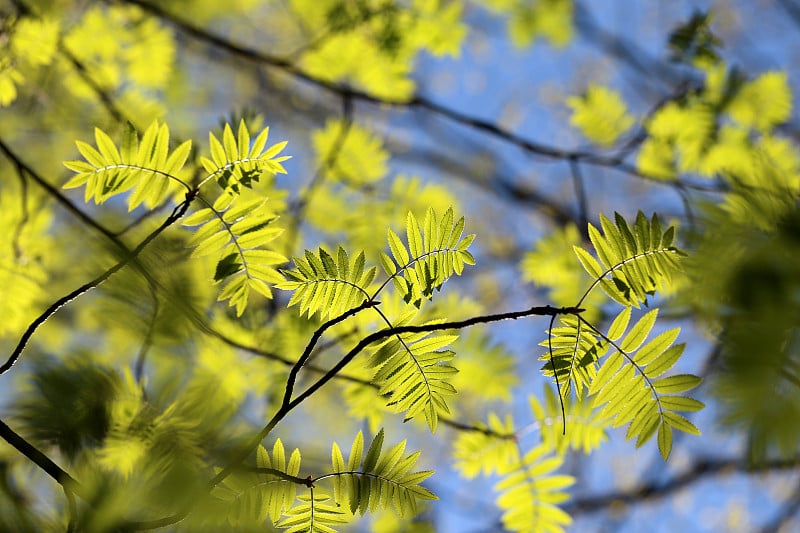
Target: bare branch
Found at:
176, 214
41, 460
657, 490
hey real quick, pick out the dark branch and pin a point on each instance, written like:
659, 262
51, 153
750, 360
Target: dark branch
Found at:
101, 93
176, 214
286, 408
651, 70
298, 208
417, 101
60, 198
41, 460
290, 381
399, 330
282, 475
82, 71
657, 490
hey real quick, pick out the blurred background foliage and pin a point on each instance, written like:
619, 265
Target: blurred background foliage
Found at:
529, 117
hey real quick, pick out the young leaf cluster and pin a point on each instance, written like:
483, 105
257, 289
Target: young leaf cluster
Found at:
236, 161
640, 260
414, 370
316, 513
145, 165
630, 388
571, 356
492, 448
434, 254
236, 231
530, 494
255, 496
625, 387
580, 427
625, 382
327, 285
378, 479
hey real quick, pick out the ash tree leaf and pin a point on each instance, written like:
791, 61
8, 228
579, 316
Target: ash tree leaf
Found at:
238, 232
234, 165
328, 286
431, 261
147, 167
383, 480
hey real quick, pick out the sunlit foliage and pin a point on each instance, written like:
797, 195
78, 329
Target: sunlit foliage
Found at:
204, 304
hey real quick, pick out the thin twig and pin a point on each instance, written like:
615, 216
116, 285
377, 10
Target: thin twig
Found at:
138, 371
290, 381
417, 100
176, 214
297, 210
60, 198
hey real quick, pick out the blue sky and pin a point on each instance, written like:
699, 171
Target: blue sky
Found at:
524, 90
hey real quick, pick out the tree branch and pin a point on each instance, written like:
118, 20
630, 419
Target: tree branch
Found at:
416, 101
287, 407
60, 198
423, 328
279, 474
82, 71
290, 381
176, 214
657, 490
27, 449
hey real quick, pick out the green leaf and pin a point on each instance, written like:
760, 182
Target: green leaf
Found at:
227, 266
234, 164
637, 264
217, 151
600, 114
428, 267
589, 263
414, 239
106, 147
639, 332
619, 325
414, 371
243, 140
355, 452
146, 167
664, 440
177, 159
665, 361
328, 286
384, 480
656, 347
398, 249
90, 154
374, 451
680, 423
678, 383
238, 232
527, 495
478, 452
681, 403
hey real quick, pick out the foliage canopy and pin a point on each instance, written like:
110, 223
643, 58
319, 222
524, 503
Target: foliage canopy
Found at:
179, 313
